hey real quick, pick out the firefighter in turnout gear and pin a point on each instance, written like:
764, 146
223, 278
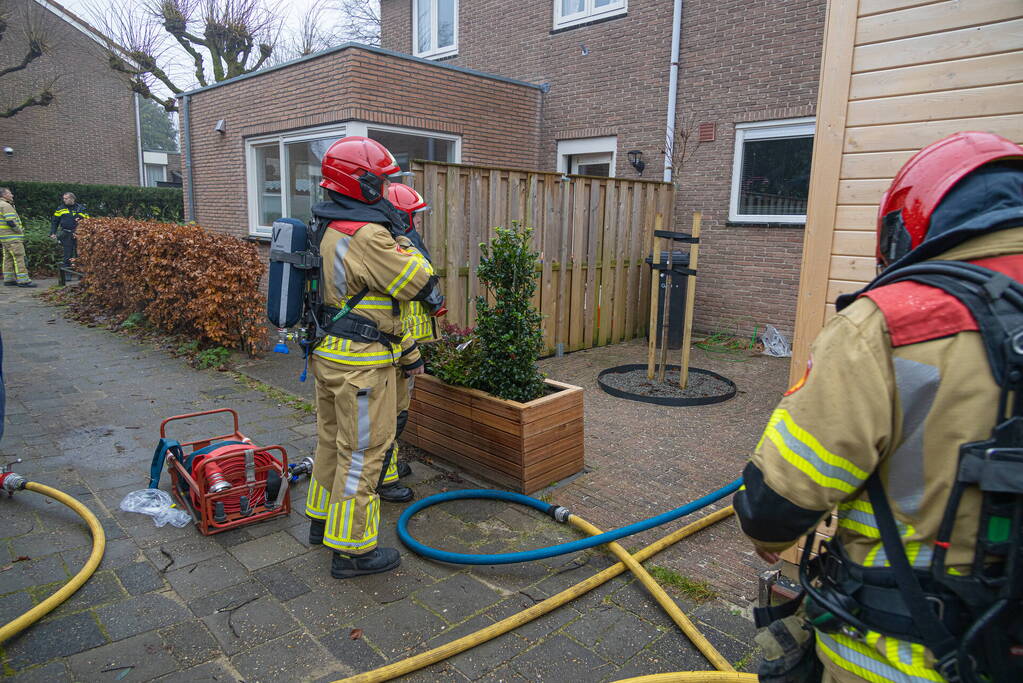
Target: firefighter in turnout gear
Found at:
12, 239
416, 320
366, 274
65, 222
893, 425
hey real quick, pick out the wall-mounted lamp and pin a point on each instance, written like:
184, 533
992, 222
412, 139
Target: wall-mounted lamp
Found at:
636, 159
221, 126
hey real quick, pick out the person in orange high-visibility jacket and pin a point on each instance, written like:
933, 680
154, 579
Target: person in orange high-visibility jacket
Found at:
417, 321
365, 276
897, 382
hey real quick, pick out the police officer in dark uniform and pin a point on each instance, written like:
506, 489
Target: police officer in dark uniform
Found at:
64, 223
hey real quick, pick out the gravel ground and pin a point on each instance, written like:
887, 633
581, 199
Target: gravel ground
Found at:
636, 382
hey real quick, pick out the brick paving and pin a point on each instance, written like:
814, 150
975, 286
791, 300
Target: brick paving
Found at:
258, 604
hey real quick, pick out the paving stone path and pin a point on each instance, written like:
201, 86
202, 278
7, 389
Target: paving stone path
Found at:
258, 604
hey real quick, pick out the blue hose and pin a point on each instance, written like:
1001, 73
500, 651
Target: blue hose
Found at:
539, 553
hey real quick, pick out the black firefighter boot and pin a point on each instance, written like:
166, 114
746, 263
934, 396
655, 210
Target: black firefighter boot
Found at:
395, 493
374, 562
316, 529
404, 469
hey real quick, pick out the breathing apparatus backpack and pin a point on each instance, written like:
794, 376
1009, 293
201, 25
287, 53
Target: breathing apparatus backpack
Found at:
973, 624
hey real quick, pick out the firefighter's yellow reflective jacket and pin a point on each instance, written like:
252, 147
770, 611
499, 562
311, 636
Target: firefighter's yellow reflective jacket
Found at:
864, 405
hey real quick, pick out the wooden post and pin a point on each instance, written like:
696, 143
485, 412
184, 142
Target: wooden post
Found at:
687, 325
655, 279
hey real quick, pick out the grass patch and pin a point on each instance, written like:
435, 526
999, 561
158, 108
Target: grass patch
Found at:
741, 664
699, 591
274, 394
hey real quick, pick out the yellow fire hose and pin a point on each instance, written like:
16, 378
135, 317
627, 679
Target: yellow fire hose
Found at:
632, 562
99, 542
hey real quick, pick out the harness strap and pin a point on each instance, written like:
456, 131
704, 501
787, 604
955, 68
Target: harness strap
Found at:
936, 637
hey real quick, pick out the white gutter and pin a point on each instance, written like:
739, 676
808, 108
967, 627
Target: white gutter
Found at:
138, 139
669, 129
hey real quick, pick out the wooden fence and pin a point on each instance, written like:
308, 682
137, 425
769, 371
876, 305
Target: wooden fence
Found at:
592, 234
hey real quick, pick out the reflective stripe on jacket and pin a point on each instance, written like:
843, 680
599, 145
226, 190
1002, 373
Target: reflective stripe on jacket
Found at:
356, 256
873, 399
8, 215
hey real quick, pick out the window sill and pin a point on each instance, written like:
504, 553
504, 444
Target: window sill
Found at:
265, 239
589, 22
758, 224
438, 56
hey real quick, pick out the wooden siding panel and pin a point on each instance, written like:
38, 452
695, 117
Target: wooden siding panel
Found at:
914, 136
946, 75
942, 16
954, 104
873, 164
853, 243
967, 42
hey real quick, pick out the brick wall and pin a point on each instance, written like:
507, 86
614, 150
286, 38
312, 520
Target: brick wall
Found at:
741, 60
87, 134
498, 121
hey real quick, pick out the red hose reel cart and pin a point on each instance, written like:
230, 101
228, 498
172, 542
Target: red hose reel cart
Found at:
227, 481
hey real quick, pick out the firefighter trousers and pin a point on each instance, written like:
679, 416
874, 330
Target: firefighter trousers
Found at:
14, 261
355, 428
403, 389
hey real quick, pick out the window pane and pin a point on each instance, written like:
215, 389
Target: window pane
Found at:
603, 170
445, 23
607, 3
572, 7
423, 25
268, 183
407, 147
304, 176
775, 177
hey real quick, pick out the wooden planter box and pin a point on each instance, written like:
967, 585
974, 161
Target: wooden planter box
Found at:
522, 446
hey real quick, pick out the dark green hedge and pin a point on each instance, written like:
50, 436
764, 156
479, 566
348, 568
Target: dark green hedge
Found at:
40, 200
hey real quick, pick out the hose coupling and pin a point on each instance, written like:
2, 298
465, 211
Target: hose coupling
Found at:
11, 482
304, 466
561, 514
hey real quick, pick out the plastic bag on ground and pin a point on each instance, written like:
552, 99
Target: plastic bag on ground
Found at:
157, 504
775, 343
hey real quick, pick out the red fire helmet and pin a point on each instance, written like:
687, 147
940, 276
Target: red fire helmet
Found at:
407, 200
904, 215
356, 167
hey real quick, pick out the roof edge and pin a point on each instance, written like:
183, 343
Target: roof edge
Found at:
367, 48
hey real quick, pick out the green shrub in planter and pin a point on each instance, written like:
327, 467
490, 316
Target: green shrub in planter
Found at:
508, 335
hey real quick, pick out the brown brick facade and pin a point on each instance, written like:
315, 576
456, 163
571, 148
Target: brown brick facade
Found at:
499, 121
741, 60
88, 133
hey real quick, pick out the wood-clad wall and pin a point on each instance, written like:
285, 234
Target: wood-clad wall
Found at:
896, 75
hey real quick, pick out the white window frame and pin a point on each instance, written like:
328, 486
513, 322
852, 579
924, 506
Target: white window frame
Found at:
282, 139
590, 13
764, 130
434, 52
585, 146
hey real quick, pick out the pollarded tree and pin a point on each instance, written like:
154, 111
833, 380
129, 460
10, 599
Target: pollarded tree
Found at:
22, 42
218, 39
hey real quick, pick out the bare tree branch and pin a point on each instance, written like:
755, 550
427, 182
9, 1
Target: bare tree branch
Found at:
681, 147
220, 38
360, 21
35, 47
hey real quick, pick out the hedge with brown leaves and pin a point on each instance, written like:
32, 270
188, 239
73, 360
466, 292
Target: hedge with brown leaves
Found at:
182, 278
